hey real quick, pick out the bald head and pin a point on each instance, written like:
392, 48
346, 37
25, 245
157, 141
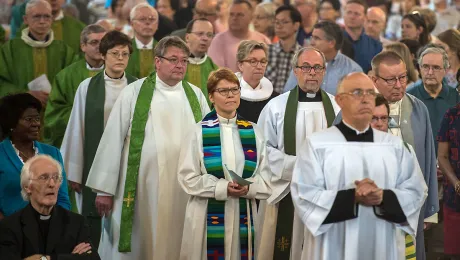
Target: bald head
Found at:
375, 22
350, 81
206, 9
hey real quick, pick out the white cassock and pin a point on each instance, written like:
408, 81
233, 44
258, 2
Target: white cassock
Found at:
160, 202
196, 182
73, 141
310, 118
328, 164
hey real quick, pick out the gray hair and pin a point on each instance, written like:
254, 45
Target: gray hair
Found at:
26, 173
132, 13
170, 41
445, 58
247, 46
32, 3
92, 28
268, 8
295, 59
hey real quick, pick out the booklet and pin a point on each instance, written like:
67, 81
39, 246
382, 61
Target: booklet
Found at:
236, 178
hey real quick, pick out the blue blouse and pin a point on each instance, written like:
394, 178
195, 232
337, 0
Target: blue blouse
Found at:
10, 177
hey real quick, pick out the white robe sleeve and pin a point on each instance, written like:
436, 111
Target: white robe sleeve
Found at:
105, 170
192, 176
312, 200
411, 189
281, 165
74, 137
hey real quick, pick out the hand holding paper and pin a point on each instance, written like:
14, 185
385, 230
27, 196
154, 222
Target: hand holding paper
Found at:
237, 179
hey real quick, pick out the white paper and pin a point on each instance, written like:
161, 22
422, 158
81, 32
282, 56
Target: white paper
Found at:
236, 178
40, 84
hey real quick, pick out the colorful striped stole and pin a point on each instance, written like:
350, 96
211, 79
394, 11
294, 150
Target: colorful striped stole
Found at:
212, 157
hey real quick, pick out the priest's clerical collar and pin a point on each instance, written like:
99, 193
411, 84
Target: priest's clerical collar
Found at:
353, 135
105, 72
309, 97
226, 121
88, 66
40, 216
33, 38
192, 59
141, 46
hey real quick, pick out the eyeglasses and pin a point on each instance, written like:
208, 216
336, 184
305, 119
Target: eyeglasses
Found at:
254, 62
149, 19
402, 80
38, 17
360, 93
282, 22
93, 43
116, 54
435, 68
225, 91
384, 119
45, 178
175, 61
308, 68
208, 35
29, 120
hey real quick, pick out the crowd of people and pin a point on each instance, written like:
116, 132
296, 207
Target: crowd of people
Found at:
218, 129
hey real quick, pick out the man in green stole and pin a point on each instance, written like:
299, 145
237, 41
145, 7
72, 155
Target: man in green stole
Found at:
94, 100
135, 167
144, 20
31, 62
287, 120
199, 36
66, 82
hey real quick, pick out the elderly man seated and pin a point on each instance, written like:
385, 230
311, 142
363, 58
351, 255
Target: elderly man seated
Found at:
43, 231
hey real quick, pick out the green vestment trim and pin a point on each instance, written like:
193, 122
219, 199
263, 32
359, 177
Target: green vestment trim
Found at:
140, 117
39, 61
286, 207
57, 29
198, 76
138, 65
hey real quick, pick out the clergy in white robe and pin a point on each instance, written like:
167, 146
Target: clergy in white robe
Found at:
205, 176
158, 203
292, 116
356, 188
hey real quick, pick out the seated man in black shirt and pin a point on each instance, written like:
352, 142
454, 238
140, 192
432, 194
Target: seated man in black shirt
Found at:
42, 230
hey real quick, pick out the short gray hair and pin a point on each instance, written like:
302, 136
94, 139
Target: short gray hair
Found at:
32, 3
436, 50
92, 28
268, 8
295, 59
247, 46
132, 13
170, 41
26, 173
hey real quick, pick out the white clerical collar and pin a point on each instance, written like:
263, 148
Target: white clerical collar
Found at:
354, 129
140, 45
197, 60
226, 121
162, 84
93, 69
262, 92
108, 78
60, 16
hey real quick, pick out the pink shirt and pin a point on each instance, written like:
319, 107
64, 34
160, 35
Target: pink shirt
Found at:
224, 47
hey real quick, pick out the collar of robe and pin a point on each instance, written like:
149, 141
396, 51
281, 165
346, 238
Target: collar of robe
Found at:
197, 60
262, 92
310, 97
108, 77
352, 136
34, 43
92, 68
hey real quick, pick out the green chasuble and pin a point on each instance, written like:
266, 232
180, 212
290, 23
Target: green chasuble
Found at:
2, 35
198, 74
141, 62
20, 63
67, 29
60, 100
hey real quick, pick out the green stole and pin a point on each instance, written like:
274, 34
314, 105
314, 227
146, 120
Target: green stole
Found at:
284, 224
140, 117
94, 128
198, 74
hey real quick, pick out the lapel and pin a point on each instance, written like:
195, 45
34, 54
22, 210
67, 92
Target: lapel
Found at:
39, 147
30, 227
56, 229
406, 120
12, 155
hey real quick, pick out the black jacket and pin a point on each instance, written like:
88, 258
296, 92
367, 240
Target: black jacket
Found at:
19, 235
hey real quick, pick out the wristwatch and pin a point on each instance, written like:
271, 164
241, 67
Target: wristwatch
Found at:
43, 258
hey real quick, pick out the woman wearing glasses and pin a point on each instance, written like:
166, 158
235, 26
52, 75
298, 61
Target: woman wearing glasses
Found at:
256, 90
20, 124
223, 168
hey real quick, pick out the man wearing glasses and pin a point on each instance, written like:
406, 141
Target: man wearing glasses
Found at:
411, 122
200, 33
203, 9
135, 166
287, 120
144, 20
356, 188
381, 114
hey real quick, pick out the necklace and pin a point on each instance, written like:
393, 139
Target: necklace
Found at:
26, 157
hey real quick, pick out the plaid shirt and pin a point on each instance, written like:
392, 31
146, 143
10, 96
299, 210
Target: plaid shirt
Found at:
279, 65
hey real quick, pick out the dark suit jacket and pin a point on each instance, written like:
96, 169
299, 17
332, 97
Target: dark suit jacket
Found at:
19, 235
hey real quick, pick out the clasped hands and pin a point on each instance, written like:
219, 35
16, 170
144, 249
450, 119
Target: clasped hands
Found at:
236, 190
368, 193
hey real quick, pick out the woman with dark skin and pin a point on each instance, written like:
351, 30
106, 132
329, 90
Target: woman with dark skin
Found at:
20, 124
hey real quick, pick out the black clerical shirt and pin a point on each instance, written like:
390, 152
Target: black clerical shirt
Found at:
43, 229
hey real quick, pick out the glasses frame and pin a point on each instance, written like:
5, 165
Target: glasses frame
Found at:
308, 68
221, 91
396, 79
360, 93
171, 60
117, 55
255, 63
384, 120
45, 178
